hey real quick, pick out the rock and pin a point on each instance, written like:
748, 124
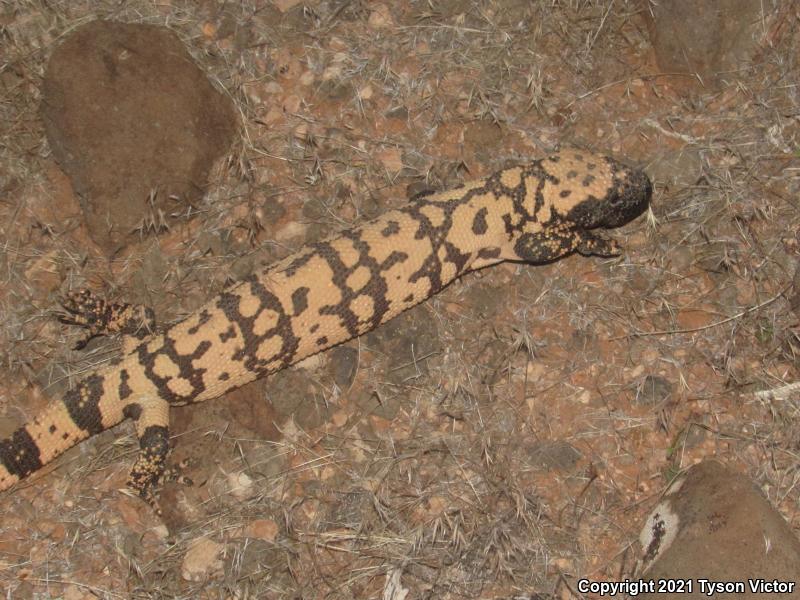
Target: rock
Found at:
249, 409
261, 529
134, 123
706, 37
344, 364
714, 524
202, 560
554, 455
653, 391
409, 340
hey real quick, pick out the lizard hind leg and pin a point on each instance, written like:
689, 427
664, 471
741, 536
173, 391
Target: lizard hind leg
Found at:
101, 317
152, 428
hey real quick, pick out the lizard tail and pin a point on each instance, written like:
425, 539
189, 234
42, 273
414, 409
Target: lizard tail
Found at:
80, 413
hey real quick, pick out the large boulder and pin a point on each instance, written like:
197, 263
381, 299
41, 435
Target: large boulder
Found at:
134, 123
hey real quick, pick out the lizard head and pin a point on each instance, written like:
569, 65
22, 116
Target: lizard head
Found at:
588, 190
568, 195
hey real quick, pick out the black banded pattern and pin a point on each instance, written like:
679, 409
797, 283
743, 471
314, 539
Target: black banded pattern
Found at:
325, 294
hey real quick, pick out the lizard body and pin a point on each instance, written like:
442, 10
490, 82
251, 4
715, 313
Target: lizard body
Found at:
329, 292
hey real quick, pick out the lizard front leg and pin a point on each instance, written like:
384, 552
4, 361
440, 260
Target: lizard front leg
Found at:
554, 243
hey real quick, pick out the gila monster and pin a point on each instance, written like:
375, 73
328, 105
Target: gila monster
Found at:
324, 294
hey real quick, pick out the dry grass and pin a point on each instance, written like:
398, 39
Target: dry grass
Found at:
503, 439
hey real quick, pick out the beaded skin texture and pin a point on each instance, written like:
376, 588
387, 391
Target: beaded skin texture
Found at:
324, 294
